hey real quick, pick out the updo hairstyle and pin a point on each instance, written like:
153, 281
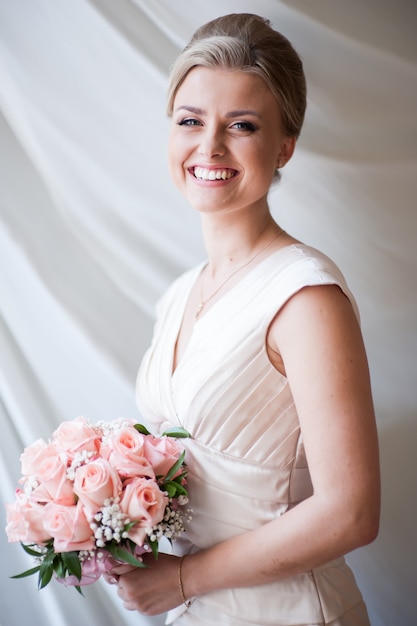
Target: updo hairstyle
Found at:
247, 43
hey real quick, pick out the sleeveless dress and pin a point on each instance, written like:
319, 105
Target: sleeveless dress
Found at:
246, 460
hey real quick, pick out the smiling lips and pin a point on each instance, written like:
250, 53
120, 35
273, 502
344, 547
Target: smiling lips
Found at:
202, 173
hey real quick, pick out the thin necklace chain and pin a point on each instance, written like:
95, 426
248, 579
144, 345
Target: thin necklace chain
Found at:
203, 302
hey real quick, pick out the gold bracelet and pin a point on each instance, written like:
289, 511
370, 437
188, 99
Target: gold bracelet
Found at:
185, 601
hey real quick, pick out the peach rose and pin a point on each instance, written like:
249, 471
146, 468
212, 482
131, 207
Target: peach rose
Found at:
94, 483
54, 485
76, 436
25, 521
162, 453
125, 452
144, 503
33, 455
69, 527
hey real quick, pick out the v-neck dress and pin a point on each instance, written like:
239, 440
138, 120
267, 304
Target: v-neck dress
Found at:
246, 460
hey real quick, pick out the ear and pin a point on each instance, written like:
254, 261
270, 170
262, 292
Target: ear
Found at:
286, 151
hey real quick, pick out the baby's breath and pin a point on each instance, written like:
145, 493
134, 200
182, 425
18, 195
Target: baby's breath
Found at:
30, 485
87, 555
42, 550
172, 524
81, 458
109, 524
108, 429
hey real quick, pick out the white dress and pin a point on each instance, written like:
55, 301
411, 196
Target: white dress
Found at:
246, 460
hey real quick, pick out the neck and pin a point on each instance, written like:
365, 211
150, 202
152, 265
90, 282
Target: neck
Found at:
229, 245
235, 267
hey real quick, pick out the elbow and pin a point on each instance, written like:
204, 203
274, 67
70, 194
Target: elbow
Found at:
367, 531
369, 518
364, 526
371, 528
355, 520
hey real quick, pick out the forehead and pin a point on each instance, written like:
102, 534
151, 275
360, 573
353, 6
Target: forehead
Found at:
225, 88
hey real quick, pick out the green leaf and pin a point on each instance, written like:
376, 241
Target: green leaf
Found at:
154, 548
129, 545
45, 575
59, 568
48, 559
176, 431
80, 591
124, 555
178, 479
142, 429
173, 488
170, 489
72, 563
28, 572
28, 550
174, 469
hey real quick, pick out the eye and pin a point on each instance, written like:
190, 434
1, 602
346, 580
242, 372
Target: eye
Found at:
245, 126
189, 121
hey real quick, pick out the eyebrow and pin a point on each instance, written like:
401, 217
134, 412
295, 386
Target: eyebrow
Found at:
237, 113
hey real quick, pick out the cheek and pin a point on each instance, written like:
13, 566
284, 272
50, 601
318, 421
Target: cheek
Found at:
176, 159
262, 164
180, 145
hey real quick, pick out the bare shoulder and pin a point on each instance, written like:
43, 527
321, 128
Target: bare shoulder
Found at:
315, 321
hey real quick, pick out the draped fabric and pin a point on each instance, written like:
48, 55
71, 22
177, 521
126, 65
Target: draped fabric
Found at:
92, 231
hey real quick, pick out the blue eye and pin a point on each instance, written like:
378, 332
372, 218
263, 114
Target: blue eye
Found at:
247, 126
189, 121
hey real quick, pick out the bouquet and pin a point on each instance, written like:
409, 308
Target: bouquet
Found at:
96, 495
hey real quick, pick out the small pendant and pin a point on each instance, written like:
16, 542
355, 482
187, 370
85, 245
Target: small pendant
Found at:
199, 310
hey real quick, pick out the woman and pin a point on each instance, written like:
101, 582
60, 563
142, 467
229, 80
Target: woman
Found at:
258, 354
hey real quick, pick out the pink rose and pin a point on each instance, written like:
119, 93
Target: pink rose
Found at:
162, 453
144, 503
54, 485
33, 455
125, 451
69, 527
94, 483
76, 436
25, 521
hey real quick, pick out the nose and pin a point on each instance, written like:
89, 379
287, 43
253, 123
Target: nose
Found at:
211, 143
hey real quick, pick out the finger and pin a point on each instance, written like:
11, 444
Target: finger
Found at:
111, 579
119, 570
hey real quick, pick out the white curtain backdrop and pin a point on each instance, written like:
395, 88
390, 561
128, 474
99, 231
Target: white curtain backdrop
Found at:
92, 231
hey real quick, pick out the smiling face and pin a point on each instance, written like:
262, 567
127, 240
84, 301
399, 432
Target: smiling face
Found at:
226, 140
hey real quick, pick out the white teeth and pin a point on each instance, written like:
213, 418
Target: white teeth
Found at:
205, 174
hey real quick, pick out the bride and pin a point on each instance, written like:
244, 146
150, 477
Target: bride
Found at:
258, 354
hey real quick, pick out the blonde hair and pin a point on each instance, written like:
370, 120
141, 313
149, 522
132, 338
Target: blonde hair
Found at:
246, 42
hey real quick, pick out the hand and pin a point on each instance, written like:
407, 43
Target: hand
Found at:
150, 590
112, 576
